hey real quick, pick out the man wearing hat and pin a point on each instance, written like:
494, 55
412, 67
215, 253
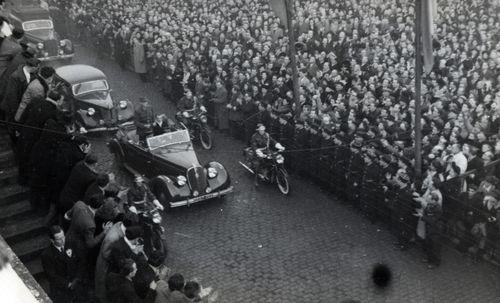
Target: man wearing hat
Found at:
326, 154
403, 206
303, 140
16, 86
370, 203
341, 157
285, 134
297, 143
355, 171
314, 152
143, 119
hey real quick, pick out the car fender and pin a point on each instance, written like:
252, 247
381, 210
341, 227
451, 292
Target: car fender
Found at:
165, 190
222, 178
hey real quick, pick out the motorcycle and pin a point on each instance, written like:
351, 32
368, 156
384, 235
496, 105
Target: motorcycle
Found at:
271, 170
197, 125
154, 233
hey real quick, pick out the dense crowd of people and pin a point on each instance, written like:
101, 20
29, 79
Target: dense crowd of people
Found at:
107, 242
352, 127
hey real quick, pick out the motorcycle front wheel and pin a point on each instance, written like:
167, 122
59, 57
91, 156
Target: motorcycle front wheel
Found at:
205, 138
282, 181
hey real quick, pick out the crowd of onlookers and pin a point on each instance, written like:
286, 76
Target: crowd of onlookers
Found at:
353, 124
352, 127
106, 241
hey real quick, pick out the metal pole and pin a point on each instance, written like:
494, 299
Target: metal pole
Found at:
293, 52
418, 89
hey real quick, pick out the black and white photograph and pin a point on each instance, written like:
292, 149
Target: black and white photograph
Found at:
249, 151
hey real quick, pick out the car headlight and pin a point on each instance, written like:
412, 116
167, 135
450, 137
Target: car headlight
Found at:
39, 45
181, 180
208, 190
123, 104
91, 111
196, 193
280, 159
212, 172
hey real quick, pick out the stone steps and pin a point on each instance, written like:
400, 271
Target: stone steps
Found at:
17, 230
7, 159
12, 194
21, 227
8, 176
31, 248
15, 211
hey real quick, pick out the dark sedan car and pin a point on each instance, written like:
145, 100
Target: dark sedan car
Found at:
176, 176
87, 94
39, 30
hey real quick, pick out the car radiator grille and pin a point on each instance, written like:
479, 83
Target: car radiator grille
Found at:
51, 47
197, 179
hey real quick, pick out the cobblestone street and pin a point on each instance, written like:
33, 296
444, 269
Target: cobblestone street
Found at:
259, 246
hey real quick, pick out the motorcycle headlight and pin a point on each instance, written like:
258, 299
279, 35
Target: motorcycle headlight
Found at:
39, 45
181, 180
157, 218
123, 104
91, 111
211, 172
280, 159
203, 119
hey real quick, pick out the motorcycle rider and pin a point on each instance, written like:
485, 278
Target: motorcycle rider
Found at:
140, 198
187, 104
261, 142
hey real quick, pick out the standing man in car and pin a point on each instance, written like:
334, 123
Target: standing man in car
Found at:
143, 119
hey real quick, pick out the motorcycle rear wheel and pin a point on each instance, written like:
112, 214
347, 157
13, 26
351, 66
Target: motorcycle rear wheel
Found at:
282, 182
206, 139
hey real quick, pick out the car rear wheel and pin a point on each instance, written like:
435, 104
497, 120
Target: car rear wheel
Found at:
206, 138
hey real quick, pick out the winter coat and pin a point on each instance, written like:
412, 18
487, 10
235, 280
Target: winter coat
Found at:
139, 57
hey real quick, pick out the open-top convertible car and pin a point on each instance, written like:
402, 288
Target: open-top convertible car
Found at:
39, 29
87, 94
176, 176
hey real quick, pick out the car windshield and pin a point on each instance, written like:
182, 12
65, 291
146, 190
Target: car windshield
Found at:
37, 24
169, 139
90, 86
